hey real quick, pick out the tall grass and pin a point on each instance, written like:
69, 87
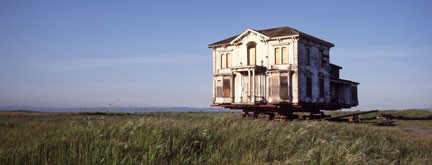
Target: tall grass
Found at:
201, 138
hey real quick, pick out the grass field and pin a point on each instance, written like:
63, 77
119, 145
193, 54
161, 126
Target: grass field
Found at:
205, 138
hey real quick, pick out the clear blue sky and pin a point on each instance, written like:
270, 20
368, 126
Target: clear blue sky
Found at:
154, 53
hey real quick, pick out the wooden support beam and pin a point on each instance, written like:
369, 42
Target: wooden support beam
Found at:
354, 116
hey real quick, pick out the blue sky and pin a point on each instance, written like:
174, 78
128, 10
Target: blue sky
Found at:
154, 53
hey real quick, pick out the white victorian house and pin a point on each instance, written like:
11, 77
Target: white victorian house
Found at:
278, 70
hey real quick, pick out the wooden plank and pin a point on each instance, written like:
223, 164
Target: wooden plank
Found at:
350, 115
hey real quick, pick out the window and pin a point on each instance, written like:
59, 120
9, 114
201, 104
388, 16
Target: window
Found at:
283, 93
307, 56
284, 55
251, 53
219, 90
277, 56
281, 57
321, 60
228, 60
223, 87
223, 61
226, 87
308, 86
321, 87
274, 86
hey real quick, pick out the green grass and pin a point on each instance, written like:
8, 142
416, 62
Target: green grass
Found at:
200, 138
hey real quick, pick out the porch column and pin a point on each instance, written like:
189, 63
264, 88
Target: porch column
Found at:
242, 87
253, 86
248, 87
232, 88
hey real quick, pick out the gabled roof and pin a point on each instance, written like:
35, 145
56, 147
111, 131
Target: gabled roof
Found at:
281, 31
272, 33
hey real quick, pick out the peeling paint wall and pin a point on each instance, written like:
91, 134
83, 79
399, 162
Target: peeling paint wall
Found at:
314, 70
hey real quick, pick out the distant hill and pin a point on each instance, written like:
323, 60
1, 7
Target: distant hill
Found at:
112, 109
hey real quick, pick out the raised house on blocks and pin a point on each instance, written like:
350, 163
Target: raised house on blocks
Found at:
279, 70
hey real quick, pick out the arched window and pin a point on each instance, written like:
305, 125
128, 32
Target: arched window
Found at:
277, 56
251, 53
284, 55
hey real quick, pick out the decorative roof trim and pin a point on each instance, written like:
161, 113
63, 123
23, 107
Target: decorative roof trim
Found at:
247, 32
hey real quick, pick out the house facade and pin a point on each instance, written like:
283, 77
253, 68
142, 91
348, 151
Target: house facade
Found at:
278, 69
